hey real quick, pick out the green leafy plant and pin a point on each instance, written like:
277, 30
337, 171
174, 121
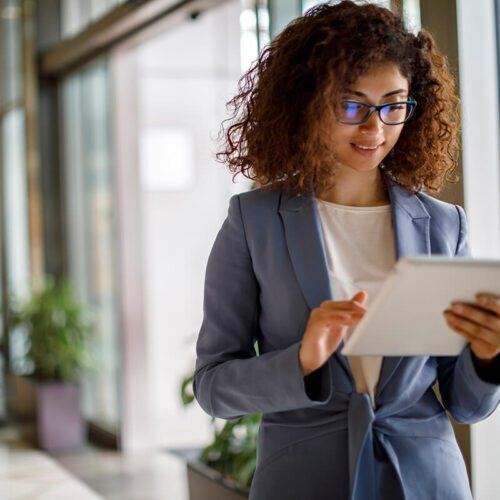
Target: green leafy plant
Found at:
233, 452
58, 331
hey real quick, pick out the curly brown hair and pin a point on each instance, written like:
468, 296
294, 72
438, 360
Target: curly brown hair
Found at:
279, 131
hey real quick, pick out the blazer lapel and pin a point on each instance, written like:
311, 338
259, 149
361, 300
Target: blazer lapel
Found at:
411, 223
304, 239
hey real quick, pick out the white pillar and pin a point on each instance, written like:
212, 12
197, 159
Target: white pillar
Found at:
481, 167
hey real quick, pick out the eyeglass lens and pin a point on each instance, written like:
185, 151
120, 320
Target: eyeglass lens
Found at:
392, 113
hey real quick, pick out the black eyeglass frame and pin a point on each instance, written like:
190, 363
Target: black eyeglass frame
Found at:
372, 108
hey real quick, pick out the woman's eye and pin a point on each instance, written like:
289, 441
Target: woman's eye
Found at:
352, 106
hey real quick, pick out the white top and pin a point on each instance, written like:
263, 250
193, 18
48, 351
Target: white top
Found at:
360, 249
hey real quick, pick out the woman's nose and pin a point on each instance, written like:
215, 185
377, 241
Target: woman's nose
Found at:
373, 125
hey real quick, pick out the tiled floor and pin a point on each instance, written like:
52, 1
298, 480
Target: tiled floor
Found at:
151, 476
27, 474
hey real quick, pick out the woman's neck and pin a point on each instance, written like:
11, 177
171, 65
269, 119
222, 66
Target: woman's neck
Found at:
357, 189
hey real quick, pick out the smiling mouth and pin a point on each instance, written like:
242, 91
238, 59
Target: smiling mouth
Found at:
365, 150
366, 146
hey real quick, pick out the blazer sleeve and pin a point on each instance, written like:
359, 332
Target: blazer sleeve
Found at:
230, 380
469, 394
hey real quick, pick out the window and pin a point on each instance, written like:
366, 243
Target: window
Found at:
91, 229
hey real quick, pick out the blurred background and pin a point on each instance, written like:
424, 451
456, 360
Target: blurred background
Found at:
109, 113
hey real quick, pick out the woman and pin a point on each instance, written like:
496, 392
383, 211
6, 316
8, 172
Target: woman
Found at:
294, 264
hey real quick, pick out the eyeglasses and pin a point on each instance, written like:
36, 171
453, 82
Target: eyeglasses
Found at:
354, 112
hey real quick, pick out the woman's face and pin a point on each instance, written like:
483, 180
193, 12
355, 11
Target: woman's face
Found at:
371, 88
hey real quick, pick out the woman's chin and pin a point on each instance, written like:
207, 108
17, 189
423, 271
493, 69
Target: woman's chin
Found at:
363, 166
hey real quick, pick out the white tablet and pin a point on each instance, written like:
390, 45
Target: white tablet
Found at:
406, 317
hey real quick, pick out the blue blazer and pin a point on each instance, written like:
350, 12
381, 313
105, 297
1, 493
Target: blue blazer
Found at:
320, 439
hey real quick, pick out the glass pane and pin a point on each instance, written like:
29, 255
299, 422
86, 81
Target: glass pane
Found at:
10, 53
411, 15
307, 4
89, 184
173, 106
15, 197
98, 8
76, 15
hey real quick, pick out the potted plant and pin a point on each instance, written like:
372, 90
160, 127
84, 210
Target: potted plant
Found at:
57, 330
224, 469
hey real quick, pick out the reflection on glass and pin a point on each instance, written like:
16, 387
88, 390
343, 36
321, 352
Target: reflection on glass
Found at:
91, 229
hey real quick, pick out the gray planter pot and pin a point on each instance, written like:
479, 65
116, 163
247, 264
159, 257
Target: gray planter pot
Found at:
208, 484
59, 422
205, 483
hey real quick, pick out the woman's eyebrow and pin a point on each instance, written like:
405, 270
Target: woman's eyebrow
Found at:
398, 91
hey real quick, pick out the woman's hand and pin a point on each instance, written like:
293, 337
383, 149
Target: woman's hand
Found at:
479, 323
327, 325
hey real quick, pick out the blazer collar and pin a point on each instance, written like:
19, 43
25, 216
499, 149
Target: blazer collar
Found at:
304, 239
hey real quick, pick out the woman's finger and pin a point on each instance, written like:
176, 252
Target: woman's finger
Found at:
481, 348
474, 329
341, 314
342, 305
482, 317
489, 301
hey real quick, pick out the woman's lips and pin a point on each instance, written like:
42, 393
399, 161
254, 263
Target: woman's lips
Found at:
367, 152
